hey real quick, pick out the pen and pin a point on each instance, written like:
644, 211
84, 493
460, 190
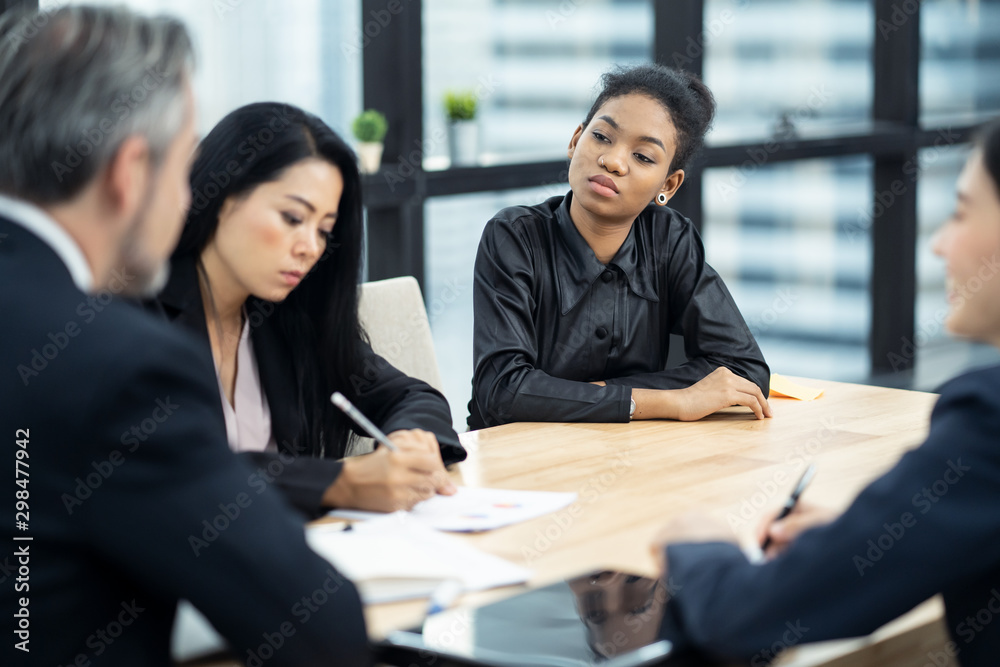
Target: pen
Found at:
371, 429
792, 499
444, 596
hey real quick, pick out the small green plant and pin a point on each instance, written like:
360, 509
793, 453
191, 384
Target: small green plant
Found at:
370, 126
460, 105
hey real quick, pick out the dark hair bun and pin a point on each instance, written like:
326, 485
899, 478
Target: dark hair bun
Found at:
688, 101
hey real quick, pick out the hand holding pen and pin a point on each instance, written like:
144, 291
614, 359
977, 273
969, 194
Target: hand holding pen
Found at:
405, 470
778, 531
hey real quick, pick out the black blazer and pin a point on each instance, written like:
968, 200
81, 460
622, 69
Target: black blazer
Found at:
133, 497
930, 525
389, 398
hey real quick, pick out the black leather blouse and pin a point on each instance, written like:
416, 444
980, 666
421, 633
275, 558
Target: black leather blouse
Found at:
550, 317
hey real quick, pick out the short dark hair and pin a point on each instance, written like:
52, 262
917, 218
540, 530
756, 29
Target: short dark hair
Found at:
688, 101
988, 141
256, 144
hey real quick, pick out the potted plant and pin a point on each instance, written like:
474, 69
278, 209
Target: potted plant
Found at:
369, 128
463, 134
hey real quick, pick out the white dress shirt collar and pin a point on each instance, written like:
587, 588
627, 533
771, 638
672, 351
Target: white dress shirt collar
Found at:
41, 224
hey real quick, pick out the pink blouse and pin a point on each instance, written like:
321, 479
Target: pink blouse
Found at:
248, 419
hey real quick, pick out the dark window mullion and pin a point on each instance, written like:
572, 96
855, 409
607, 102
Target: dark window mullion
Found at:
894, 230
678, 41
393, 83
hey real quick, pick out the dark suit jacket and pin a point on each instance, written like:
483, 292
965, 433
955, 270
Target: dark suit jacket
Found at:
930, 525
133, 497
390, 399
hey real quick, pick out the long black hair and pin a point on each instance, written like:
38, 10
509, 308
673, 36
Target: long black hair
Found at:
255, 144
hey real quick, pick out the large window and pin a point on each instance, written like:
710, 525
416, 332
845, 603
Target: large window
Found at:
532, 64
267, 50
960, 53
785, 240
774, 65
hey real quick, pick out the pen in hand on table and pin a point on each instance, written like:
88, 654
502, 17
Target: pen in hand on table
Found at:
371, 429
792, 500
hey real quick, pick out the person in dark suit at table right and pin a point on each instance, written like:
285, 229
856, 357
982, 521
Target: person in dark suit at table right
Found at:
122, 496
930, 525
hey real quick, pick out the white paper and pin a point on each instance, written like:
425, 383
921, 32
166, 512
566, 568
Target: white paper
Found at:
474, 509
396, 558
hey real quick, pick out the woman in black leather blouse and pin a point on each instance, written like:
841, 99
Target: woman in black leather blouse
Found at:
576, 297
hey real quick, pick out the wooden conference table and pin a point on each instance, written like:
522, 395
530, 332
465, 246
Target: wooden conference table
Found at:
632, 477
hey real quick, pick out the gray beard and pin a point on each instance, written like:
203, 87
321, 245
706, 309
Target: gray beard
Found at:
147, 279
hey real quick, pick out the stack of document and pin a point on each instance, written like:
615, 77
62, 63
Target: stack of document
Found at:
396, 558
474, 509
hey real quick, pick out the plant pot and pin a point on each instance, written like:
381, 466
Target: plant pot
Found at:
369, 156
463, 142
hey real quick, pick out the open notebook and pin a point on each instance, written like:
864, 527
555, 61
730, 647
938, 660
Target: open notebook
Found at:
394, 557
389, 558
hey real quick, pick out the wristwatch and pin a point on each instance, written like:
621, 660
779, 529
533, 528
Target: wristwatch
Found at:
631, 408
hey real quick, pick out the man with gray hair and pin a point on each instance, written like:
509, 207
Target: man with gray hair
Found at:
125, 497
